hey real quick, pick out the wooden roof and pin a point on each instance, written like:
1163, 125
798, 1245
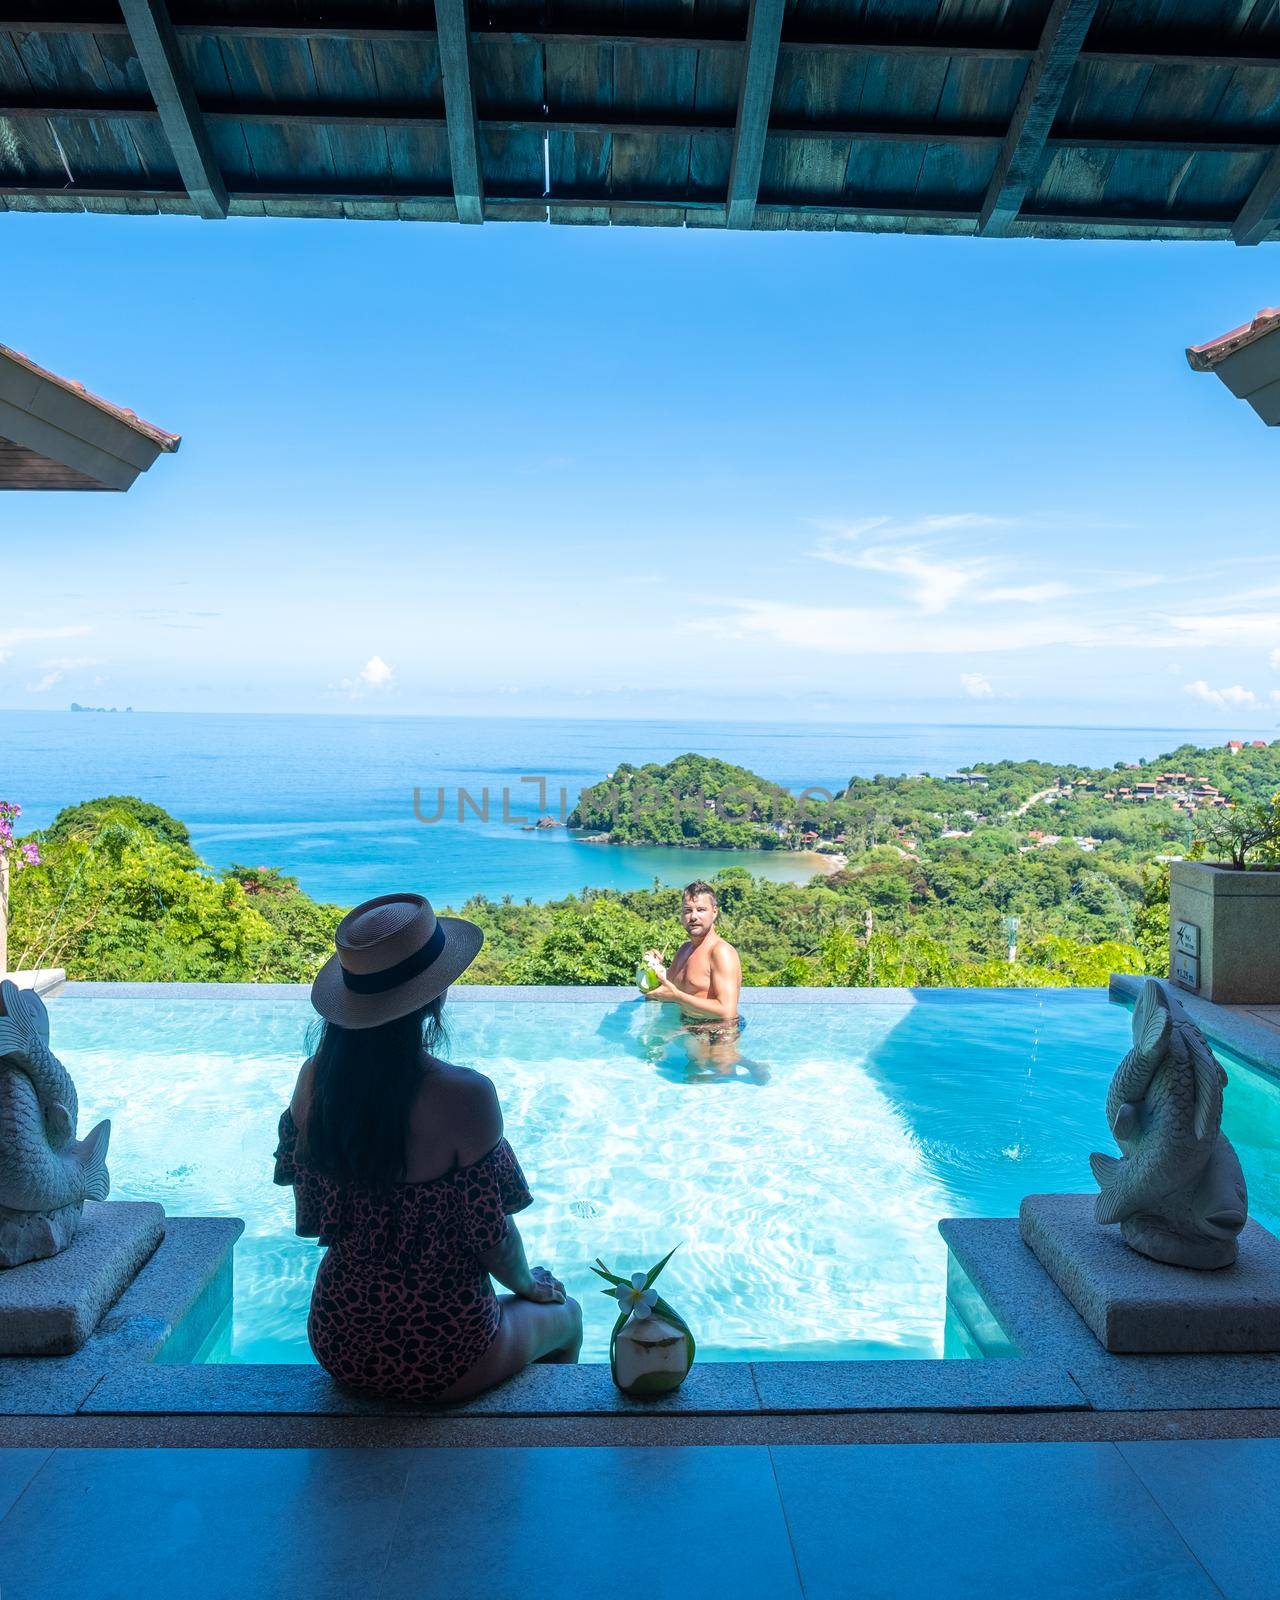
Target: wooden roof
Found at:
1102, 118
54, 434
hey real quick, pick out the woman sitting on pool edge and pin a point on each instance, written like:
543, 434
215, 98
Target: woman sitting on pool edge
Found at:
400, 1169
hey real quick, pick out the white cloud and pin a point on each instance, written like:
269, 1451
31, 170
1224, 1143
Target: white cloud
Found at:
71, 663
11, 636
375, 677
1275, 660
5, 655
977, 686
1228, 628
938, 567
1030, 594
864, 631
376, 673
1235, 698
914, 551
935, 583
43, 685
887, 528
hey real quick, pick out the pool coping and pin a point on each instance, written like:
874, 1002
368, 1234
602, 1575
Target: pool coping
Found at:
587, 994
1239, 1029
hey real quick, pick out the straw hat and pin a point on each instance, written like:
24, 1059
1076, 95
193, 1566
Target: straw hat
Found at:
394, 954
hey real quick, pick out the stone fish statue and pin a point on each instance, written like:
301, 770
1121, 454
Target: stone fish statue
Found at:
46, 1175
1178, 1192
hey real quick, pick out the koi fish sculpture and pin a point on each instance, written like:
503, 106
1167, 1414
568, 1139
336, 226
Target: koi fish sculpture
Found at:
46, 1174
1177, 1191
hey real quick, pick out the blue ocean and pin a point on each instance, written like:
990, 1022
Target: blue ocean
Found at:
331, 799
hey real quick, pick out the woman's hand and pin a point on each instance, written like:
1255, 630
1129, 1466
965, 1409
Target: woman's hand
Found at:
544, 1288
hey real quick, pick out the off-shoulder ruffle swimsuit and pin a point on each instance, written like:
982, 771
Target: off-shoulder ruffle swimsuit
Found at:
401, 1305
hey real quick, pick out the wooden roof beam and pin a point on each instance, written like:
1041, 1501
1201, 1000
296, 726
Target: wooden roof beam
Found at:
1260, 214
1175, 50
1136, 222
454, 40
353, 114
755, 100
160, 57
1043, 88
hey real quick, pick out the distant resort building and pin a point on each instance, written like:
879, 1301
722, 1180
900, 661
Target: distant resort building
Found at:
1183, 790
977, 780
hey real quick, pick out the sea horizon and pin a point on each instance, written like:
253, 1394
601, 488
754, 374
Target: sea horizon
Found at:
1224, 731
328, 797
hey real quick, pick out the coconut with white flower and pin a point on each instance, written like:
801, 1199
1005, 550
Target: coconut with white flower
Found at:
649, 974
652, 1348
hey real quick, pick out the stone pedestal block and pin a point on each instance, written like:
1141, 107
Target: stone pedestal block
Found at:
1224, 933
1138, 1306
51, 1307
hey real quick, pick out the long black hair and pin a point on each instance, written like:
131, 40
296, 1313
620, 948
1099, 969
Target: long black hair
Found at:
364, 1086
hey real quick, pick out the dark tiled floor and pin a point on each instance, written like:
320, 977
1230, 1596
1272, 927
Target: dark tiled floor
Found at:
1217, 1491
1182, 1521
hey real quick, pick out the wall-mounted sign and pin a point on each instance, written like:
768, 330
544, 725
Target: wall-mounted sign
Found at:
1186, 938
1186, 970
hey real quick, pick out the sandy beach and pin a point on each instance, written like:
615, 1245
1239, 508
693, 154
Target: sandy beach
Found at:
827, 865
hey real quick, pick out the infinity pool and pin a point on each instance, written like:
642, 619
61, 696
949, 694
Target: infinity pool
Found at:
804, 1190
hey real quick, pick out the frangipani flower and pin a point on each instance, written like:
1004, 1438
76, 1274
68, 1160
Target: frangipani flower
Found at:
634, 1297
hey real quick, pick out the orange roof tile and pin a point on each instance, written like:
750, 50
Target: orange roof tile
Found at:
1205, 357
158, 436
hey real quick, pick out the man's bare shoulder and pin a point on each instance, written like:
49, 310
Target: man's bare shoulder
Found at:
724, 958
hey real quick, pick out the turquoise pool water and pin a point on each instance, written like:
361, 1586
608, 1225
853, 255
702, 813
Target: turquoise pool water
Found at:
804, 1192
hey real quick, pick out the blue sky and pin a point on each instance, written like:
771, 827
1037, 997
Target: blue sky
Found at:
523, 469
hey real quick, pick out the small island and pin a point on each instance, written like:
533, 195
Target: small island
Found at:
108, 710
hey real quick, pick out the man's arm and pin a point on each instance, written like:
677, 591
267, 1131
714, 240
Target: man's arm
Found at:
666, 990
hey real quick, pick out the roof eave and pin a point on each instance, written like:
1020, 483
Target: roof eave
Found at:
62, 422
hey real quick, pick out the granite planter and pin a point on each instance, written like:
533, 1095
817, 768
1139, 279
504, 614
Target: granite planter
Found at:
1224, 932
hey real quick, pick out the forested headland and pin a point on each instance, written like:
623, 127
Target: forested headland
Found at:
937, 876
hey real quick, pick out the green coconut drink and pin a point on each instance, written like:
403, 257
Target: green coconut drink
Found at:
651, 1348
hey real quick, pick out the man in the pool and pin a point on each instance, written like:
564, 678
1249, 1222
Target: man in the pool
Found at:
704, 979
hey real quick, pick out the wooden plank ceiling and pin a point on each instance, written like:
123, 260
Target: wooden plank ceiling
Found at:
1058, 118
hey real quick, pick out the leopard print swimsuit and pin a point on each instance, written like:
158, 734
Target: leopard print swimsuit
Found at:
401, 1305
